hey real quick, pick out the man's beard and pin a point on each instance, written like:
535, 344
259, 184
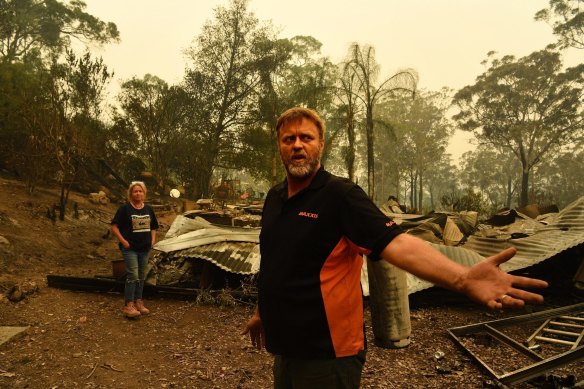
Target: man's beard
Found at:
304, 170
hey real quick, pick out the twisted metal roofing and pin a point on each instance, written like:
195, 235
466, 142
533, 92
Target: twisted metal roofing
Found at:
236, 249
235, 257
538, 242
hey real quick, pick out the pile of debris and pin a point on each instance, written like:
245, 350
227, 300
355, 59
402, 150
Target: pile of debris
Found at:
192, 241
197, 253
536, 238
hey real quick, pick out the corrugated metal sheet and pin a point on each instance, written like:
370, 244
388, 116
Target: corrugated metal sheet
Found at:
207, 236
458, 254
237, 249
234, 249
565, 230
235, 257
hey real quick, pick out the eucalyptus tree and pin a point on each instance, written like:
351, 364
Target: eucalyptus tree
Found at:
347, 111
155, 111
559, 179
361, 62
309, 76
292, 72
442, 180
567, 20
223, 61
32, 27
495, 173
425, 129
528, 106
259, 152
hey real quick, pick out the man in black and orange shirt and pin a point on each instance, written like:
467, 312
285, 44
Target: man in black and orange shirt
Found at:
315, 229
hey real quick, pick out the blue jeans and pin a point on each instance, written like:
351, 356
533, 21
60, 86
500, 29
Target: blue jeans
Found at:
136, 262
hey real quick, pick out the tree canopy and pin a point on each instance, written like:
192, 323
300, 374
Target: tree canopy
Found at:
32, 27
241, 74
567, 20
529, 106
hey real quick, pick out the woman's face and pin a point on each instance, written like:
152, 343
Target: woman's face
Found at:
137, 194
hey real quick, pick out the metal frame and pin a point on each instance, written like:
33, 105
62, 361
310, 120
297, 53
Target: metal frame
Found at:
541, 365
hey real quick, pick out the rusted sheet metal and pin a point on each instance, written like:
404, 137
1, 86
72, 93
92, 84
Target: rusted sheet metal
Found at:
234, 249
235, 257
566, 230
205, 237
535, 240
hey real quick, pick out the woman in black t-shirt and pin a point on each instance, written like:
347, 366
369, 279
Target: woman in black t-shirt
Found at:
135, 225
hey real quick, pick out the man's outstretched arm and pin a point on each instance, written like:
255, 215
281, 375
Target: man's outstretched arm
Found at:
484, 282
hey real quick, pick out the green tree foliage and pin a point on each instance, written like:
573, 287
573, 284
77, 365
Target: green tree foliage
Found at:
51, 117
292, 72
494, 173
528, 106
567, 20
424, 130
308, 77
122, 149
347, 114
155, 112
259, 152
222, 79
559, 179
71, 128
31, 27
50, 98
308, 81
466, 200
361, 62
23, 109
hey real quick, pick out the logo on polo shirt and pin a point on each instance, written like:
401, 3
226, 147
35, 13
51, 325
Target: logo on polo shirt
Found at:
308, 214
390, 223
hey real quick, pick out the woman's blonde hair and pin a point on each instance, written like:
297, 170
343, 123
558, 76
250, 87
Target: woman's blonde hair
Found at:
131, 187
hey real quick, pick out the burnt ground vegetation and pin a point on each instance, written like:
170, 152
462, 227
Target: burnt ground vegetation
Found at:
81, 340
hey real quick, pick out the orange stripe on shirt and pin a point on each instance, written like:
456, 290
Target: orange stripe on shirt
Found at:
340, 284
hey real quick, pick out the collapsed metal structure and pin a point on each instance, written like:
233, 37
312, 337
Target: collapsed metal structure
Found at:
572, 313
457, 235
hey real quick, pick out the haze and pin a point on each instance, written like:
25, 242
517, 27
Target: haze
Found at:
445, 41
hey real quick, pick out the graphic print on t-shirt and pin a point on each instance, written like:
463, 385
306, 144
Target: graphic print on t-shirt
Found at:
140, 223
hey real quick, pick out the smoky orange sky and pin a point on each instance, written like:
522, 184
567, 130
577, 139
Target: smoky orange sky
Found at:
445, 41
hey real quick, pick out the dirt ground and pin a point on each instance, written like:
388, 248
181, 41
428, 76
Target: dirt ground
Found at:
81, 340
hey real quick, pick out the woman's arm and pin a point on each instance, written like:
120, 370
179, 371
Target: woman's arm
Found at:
118, 235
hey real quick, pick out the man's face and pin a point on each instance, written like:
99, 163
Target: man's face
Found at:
300, 148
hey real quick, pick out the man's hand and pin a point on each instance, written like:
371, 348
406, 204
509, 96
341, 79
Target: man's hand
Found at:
484, 282
255, 328
487, 284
